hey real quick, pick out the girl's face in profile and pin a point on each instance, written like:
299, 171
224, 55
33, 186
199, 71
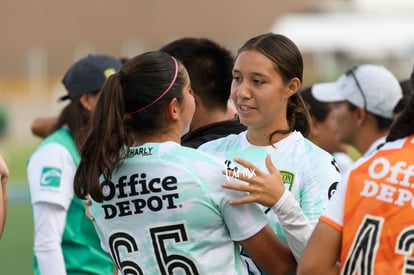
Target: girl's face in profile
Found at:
259, 92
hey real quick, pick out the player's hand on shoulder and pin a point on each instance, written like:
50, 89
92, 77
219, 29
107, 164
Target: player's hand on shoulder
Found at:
262, 188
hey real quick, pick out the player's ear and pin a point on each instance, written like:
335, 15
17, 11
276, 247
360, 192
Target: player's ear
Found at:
293, 86
360, 116
173, 109
88, 101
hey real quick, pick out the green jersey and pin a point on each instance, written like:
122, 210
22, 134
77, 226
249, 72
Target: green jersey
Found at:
50, 170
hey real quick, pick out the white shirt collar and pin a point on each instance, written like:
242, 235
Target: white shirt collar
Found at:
374, 146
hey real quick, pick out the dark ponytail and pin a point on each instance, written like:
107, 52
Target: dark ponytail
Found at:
404, 125
131, 104
101, 152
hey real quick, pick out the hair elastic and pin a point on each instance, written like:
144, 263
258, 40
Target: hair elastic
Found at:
129, 115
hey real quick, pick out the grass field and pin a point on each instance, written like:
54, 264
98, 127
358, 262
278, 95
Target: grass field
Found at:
17, 240
16, 243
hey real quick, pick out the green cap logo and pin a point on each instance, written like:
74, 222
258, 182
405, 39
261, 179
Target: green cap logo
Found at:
109, 72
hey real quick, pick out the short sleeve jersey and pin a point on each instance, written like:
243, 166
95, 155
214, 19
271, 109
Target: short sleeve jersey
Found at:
165, 212
308, 172
50, 172
373, 208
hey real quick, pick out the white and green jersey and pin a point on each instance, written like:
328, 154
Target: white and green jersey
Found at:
65, 239
164, 212
308, 172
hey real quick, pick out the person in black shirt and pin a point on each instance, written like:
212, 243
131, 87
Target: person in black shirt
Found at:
209, 66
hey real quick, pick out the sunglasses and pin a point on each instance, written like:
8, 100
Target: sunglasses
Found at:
351, 72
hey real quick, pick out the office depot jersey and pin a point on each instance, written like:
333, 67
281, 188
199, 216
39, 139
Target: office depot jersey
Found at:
165, 212
373, 208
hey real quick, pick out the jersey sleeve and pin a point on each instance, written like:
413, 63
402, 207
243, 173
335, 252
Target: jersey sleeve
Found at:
50, 173
334, 212
49, 223
243, 221
296, 225
322, 177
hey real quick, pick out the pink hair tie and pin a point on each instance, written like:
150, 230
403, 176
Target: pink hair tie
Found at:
129, 115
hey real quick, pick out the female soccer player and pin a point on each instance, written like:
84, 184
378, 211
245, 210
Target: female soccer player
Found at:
266, 78
65, 240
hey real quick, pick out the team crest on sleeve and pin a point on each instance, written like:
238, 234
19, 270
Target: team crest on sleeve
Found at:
287, 178
50, 177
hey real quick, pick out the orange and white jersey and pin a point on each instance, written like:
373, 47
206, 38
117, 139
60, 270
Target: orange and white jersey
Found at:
373, 208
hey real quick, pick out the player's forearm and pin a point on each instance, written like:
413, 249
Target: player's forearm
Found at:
295, 224
43, 126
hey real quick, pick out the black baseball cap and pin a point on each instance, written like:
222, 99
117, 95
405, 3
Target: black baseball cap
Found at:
89, 74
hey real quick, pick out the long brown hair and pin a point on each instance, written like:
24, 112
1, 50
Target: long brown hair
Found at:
76, 118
